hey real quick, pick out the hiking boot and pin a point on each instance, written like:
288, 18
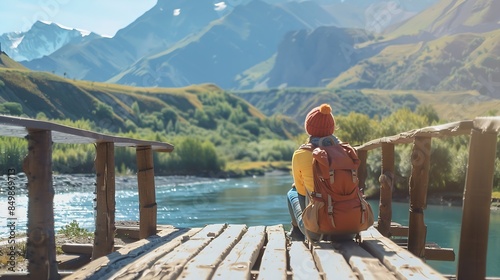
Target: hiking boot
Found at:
295, 234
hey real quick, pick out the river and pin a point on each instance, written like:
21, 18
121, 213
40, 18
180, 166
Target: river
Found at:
194, 202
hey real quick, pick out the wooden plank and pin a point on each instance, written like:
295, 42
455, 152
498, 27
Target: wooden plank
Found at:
41, 245
134, 269
273, 265
476, 206
18, 127
147, 193
444, 130
302, 263
331, 262
419, 181
81, 249
239, 262
439, 254
104, 234
398, 230
132, 232
203, 265
386, 185
402, 263
362, 169
128, 253
171, 265
436, 253
366, 266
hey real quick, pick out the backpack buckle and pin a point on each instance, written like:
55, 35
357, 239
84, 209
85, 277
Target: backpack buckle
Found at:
354, 175
332, 178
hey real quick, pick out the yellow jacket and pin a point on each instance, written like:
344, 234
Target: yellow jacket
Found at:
302, 171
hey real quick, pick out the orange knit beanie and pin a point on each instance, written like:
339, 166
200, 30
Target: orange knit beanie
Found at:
319, 122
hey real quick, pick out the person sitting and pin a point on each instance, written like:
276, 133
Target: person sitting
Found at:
319, 124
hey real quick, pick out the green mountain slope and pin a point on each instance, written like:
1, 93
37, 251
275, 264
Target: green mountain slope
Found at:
193, 109
6, 62
451, 17
456, 62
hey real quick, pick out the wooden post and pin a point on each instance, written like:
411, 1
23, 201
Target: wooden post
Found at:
104, 235
476, 206
362, 170
147, 195
41, 245
386, 184
419, 180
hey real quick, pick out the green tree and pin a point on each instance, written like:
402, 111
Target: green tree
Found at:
400, 121
169, 115
197, 157
354, 128
429, 112
103, 111
11, 108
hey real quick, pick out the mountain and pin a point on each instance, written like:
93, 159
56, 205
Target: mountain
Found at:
188, 110
374, 16
456, 62
308, 59
455, 47
247, 36
163, 25
42, 39
170, 26
448, 17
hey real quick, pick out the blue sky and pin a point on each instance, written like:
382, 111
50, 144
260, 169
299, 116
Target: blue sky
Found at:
101, 16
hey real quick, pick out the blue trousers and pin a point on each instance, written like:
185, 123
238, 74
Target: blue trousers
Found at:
296, 204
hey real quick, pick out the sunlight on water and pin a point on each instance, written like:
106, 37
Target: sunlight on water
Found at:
195, 202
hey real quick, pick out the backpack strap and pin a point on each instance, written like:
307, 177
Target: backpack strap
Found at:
308, 146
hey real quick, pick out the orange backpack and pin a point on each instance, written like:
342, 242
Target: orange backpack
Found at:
336, 206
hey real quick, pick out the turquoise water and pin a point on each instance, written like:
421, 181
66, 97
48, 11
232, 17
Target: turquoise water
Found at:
194, 202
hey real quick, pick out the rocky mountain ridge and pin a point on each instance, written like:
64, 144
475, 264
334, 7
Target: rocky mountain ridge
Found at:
42, 39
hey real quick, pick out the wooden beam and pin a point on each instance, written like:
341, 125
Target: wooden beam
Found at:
476, 206
18, 127
127, 254
330, 262
104, 235
366, 266
238, 264
273, 265
203, 265
386, 184
82, 249
41, 248
171, 265
401, 262
302, 263
443, 130
419, 181
399, 230
362, 169
147, 195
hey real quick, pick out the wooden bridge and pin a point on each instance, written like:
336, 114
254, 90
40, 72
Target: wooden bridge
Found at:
233, 251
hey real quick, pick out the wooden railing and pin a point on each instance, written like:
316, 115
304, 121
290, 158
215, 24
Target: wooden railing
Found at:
483, 133
38, 168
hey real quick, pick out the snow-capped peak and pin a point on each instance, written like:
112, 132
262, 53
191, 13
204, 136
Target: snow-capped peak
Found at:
43, 38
